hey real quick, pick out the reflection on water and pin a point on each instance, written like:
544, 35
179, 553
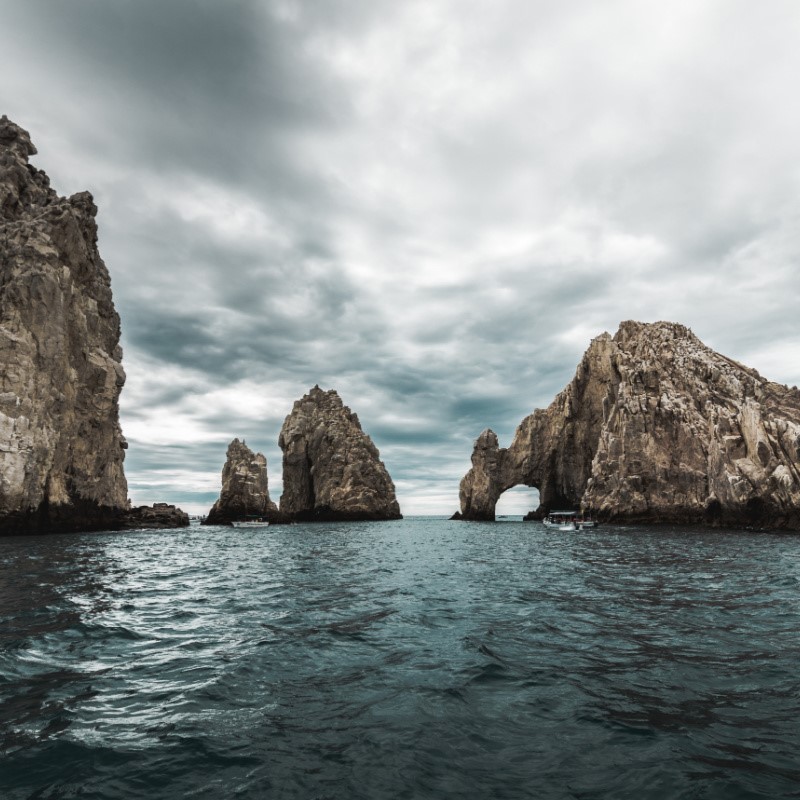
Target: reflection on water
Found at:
418, 658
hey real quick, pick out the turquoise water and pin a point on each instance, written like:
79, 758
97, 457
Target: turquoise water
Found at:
414, 659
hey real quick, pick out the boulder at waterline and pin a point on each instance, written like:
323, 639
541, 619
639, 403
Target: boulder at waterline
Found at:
159, 515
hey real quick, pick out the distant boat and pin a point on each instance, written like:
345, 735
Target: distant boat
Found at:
568, 521
250, 522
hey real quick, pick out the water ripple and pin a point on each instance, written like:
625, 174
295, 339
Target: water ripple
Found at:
414, 659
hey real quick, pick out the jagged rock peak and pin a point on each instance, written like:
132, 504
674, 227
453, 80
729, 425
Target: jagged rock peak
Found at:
331, 468
654, 427
15, 138
61, 447
245, 488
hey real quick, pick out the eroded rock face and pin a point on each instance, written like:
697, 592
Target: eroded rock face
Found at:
245, 488
61, 447
654, 427
331, 468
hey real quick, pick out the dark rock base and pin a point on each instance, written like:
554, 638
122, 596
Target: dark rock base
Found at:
753, 517
159, 516
228, 515
85, 517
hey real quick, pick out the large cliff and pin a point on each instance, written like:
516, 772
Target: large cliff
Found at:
654, 427
245, 488
61, 447
331, 468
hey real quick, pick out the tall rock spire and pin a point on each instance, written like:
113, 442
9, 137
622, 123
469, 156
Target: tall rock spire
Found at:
245, 488
331, 468
61, 446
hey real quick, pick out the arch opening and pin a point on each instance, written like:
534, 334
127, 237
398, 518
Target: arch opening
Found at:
517, 501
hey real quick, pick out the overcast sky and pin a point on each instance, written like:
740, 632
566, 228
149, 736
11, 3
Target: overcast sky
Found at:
431, 206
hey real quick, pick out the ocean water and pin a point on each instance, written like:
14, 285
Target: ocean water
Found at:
414, 659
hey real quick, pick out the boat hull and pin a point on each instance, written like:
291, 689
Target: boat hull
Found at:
243, 524
558, 522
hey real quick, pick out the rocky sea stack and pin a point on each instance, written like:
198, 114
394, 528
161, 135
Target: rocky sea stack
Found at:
61, 447
331, 468
654, 427
245, 488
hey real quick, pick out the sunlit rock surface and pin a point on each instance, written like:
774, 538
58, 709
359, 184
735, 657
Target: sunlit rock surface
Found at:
245, 488
61, 447
654, 427
331, 468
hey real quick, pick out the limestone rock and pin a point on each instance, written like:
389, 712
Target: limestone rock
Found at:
245, 488
654, 427
331, 468
159, 515
61, 447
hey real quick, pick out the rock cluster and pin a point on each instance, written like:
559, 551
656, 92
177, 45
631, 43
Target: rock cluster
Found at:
61, 447
245, 488
331, 468
654, 427
159, 515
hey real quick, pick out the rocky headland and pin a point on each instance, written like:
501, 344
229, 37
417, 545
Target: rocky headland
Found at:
61, 446
245, 489
331, 468
655, 427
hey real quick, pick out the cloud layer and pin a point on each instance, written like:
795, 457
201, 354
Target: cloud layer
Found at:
429, 206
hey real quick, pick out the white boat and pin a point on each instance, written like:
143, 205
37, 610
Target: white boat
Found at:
250, 523
568, 521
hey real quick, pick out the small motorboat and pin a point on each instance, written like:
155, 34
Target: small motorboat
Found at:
250, 522
568, 521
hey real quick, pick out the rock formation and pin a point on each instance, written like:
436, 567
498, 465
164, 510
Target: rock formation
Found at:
331, 468
654, 427
61, 447
159, 515
245, 488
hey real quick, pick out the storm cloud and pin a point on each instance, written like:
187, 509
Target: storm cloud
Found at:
430, 206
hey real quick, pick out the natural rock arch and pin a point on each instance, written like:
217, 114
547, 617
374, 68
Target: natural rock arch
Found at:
552, 450
497, 469
517, 501
654, 427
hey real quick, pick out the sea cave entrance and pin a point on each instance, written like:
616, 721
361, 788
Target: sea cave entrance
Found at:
516, 502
